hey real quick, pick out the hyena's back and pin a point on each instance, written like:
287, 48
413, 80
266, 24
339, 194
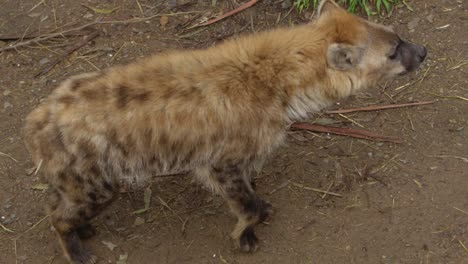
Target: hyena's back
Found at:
151, 117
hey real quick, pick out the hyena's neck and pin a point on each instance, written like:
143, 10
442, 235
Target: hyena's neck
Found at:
294, 62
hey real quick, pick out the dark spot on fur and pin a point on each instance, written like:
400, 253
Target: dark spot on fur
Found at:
66, 99
122, 96
125, 95
95, 171
92, 196
62, 176
77, 177
108, 186
142, 96
76, 84
94, 93
82, 213
163, 139
87, 149
166, 95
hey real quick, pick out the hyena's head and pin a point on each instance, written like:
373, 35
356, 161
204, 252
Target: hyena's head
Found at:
364, 51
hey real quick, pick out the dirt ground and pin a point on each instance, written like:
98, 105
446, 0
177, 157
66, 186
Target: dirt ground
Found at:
401, 203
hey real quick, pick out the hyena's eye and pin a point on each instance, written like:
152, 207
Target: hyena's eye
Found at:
394, 53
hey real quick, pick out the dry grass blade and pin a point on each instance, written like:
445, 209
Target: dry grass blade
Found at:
450, 96
66, 53
79, 28
460, 210
463, 245
6, 229
170, 209
230, 13
315, 190
351, 132
376, 107
449, 156
8, 156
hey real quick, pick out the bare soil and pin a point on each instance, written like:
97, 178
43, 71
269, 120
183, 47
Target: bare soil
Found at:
401, 203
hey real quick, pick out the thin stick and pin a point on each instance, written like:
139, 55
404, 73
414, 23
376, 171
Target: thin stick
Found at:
351, 132
450, 96
315, 190
458, 209
449, 156
34, 226
351, 120
16, 251
463, 245
38, 167
6, 229
35, 6
67, 53
376, 107
58, 34
227, 14
170, 209
8, 155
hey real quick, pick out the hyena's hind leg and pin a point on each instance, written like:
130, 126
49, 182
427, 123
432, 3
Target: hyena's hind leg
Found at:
80, 198
233, 182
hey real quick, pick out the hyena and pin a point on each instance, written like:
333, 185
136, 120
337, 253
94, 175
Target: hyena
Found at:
215, 112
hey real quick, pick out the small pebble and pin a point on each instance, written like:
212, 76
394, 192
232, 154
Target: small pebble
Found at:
7, 105
44, 61
139, 221
88, 16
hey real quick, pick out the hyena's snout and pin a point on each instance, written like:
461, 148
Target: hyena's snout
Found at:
411, 55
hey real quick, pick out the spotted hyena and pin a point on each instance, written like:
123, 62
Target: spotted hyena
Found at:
215, 112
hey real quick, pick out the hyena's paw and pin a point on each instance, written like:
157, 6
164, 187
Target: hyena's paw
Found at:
248, 241
75, 251
266, 211
86, 231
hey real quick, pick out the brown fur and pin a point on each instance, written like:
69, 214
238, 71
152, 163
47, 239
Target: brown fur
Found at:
216, 112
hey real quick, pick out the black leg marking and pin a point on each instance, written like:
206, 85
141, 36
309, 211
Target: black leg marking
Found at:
248, 240
86, 231
76, 252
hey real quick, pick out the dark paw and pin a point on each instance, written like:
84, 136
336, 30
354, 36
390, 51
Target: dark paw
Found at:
266, 211
248, 241
86, 231
75, 250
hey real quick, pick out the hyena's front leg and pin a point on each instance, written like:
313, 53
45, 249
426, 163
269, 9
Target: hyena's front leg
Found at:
80, 198
233, 182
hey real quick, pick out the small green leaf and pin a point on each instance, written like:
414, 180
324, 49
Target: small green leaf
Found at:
408, 6
40, 186
101, 10
387, 5
378, 5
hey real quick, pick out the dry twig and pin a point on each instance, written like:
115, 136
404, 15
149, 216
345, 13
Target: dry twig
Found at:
66, 53
227, 14
315, 190
8, 156
351, 132
79, 28
6, 229
376, 107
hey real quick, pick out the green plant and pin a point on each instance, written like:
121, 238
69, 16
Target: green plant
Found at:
370, 7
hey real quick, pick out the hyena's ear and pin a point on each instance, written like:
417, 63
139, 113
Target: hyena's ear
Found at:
327, 6
344, 56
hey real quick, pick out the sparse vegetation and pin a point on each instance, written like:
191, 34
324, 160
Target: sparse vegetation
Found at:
370, 7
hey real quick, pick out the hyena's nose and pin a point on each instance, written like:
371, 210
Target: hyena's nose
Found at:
422, 53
